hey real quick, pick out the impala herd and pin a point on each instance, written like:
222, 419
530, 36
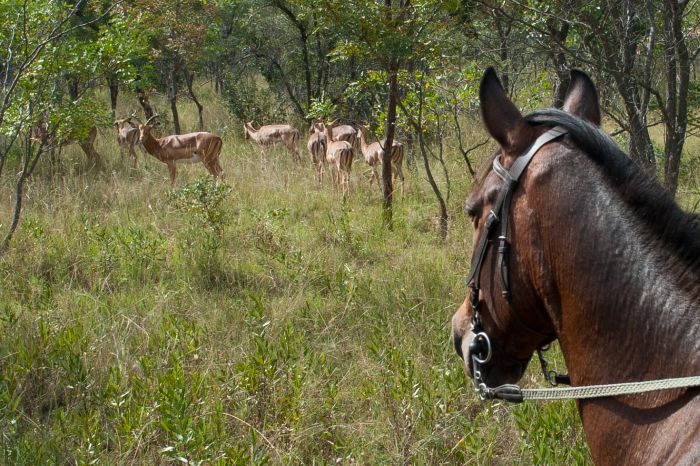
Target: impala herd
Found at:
334, 146
331, 145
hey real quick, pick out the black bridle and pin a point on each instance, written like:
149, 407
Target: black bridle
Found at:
482, 348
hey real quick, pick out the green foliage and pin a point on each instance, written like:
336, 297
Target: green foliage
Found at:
203, 204
122, 46
544, 427
47, 56
122, 253
203, 199
322, 107
250, 100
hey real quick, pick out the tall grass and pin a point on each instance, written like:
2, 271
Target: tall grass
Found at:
264, 321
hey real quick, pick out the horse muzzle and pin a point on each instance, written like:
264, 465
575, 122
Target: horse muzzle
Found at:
485, 362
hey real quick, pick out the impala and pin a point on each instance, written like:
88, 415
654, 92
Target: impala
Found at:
52, 141
373, 156
128, 136
339, 156
183, 148
316, 144
342, 133
270, 135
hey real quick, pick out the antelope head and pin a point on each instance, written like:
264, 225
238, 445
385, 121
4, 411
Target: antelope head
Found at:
317, 126
120, 123
132, 117
145, 128
329, 129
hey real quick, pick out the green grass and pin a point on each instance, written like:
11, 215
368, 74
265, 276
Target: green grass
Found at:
264, 321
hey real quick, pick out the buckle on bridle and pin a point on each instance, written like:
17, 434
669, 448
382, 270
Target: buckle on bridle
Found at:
550, 375
474, 301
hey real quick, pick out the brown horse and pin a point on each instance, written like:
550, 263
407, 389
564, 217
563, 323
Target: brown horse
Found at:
596, 255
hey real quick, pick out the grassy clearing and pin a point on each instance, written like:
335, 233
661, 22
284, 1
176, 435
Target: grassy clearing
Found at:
259, 322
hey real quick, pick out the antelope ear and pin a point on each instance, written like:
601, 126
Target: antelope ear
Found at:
582, 98
502, 119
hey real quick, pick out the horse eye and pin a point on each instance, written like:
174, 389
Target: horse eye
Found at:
470, 210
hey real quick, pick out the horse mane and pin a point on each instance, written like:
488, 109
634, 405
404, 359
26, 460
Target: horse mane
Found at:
646, 198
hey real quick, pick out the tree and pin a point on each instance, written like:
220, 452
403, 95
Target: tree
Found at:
287, 43
393, 34
639, 47
44, 59
176, 33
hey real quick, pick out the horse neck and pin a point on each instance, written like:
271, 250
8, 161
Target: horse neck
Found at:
623, 305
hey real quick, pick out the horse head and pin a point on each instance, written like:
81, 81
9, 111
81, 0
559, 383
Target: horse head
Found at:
507, 315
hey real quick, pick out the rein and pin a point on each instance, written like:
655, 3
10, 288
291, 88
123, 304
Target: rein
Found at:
516, 394
482, 348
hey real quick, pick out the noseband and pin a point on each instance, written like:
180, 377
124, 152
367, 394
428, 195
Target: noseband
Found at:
482, 347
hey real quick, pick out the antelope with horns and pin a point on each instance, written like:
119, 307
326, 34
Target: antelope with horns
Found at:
316, 144
339, 156
183, 148
128, 136
270, 135
373, 156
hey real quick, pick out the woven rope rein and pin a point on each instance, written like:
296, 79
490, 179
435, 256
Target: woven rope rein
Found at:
598, 391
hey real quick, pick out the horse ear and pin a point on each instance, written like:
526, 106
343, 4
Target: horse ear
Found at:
502, 119
582, 98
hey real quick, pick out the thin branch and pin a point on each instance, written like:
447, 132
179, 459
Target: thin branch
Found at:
54, 35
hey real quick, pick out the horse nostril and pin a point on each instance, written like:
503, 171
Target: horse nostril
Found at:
457, 340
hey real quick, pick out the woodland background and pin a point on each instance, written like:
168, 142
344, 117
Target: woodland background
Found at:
264, 320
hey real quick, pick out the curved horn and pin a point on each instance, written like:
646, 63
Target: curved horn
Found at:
148, 122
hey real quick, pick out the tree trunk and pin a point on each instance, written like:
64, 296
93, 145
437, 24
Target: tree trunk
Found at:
88, 148
320, 60
504, 25
300, 25
113, 94
677, 82
442, 231
387, 188
189, 80
74, 88
639, 145
417, 125
618, 53
144, 102
561, 68
29, 162
287, 85
172, 96
304, 39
